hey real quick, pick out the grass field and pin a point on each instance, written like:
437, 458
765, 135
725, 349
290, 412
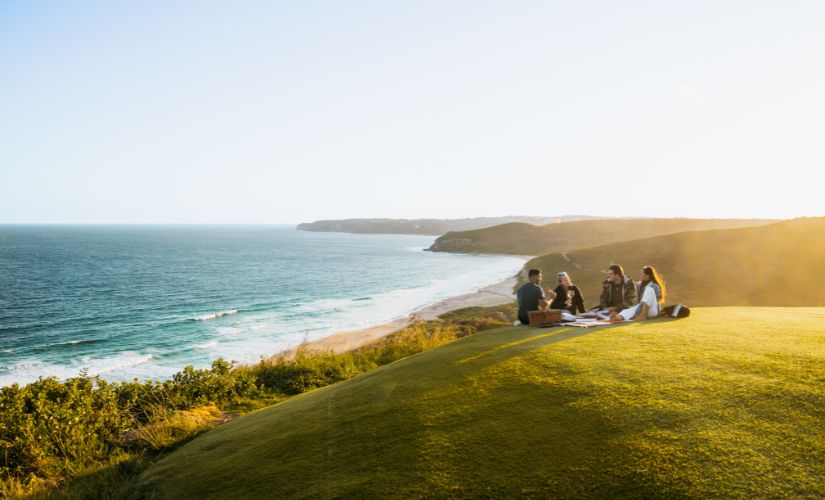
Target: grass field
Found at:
727, 403
526, 239
780, 264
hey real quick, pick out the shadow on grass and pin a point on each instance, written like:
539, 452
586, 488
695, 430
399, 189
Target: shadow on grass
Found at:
544, 338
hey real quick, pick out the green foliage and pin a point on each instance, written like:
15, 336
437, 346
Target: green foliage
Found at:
305, 370
168, 428
221, 383
51, 428
725, 404
53, 431
483, 318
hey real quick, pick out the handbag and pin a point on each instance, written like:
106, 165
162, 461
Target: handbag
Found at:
676, 311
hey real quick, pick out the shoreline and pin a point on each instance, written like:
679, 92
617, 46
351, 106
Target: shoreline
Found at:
490, 295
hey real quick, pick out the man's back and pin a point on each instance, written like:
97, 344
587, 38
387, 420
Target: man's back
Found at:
528, 299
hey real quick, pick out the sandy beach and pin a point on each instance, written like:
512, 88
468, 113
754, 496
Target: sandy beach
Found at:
498, 293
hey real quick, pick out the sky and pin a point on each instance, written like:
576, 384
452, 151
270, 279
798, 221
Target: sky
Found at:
286, 112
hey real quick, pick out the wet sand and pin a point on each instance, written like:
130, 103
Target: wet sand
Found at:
492, 295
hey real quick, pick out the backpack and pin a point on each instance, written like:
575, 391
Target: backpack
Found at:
677, 311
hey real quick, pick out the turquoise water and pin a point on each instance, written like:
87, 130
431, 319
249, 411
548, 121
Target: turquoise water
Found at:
145, 301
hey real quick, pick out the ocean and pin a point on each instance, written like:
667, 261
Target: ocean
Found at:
142, 302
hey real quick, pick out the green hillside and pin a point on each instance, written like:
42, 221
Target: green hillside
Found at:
727, 403
526, 239
781, 264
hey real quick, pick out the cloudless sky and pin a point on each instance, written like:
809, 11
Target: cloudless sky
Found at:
272, 112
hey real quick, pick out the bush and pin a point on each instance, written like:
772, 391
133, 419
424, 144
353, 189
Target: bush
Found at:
51, 428
221, 383
305, 370
51, 431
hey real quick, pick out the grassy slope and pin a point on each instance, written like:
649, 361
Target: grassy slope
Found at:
729, 402
526, 239
777, 265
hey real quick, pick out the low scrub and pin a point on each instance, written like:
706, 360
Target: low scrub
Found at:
54, 432
51, 430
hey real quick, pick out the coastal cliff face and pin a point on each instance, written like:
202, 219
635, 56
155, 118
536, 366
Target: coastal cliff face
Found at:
458, 245
527, 239
514, 238
434, 227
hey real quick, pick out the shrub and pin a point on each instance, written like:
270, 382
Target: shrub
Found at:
168, 428
51, 430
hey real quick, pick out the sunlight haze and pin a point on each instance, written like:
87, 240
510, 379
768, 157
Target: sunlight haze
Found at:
284, 112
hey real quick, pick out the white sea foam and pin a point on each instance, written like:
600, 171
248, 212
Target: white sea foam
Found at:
245, 338
267, 333
29, 370
206, 345
399, 303
218, 314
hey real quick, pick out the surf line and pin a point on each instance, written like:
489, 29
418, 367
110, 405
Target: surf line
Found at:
218, 314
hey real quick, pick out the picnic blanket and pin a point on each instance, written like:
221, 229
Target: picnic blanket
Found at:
587, 324
587, 320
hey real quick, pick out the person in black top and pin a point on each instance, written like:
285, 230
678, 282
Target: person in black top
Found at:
563, 300
531, 296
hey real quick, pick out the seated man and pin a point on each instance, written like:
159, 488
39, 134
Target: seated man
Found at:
531, 296
651, 295
618, 290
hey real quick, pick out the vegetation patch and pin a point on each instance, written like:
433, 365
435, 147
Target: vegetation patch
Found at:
726, 403
86, 434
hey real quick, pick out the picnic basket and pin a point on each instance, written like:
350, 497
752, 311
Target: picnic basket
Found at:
543, 317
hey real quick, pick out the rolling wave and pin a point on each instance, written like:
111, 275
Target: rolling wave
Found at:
218, 314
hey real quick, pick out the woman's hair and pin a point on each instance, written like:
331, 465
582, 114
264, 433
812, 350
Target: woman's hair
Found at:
655, 277
561, 276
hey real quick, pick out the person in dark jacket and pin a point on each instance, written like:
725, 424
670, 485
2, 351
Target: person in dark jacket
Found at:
651, 295
563, 300
618, 290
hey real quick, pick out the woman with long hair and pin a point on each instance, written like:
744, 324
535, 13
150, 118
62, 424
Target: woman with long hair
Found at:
651, 297
568, 295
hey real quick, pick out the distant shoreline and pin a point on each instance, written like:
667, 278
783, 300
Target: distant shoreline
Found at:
490, 295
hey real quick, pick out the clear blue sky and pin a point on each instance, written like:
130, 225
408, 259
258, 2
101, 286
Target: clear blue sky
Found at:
271, 112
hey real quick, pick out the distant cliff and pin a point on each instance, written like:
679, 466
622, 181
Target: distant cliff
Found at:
526, 239
434, 227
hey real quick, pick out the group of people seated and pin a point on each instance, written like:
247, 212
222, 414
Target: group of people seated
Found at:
621, 299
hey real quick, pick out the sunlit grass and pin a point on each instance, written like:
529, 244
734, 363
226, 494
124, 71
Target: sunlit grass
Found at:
729, 402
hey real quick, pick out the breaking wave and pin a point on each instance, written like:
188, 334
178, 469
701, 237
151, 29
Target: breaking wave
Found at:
216, 315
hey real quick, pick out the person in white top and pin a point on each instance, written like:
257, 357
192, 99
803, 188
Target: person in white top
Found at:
651, 297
